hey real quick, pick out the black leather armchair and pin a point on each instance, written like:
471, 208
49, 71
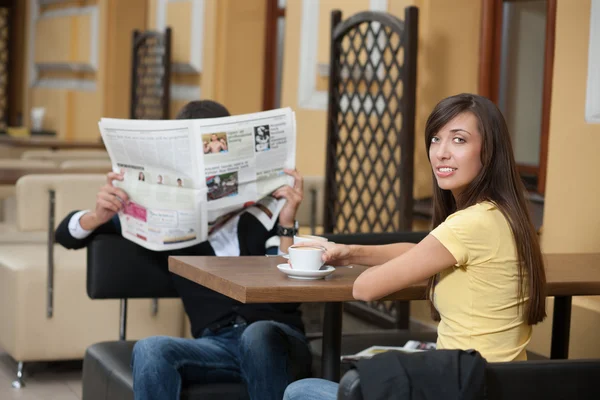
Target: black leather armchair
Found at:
119, 269
525, 380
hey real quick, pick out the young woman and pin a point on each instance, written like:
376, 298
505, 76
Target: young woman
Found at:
483, 259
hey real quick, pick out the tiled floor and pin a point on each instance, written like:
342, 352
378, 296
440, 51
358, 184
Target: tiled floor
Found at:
44, 381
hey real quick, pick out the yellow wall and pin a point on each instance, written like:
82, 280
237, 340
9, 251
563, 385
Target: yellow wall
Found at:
66, 40
118, 57
16, 73
448, 31
231, 71
447, 64
572, 204
572, 207
240, 43
232, 52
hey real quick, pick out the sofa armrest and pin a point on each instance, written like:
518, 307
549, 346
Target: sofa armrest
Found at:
543, 379
349, 388
118, 268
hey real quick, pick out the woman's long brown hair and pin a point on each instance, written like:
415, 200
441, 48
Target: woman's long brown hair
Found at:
499, 183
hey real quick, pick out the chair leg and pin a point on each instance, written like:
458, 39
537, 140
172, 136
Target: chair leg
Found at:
123, 320
154, 309
19, 383
313, 211
50, 272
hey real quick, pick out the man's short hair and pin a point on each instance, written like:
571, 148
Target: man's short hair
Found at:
202, 109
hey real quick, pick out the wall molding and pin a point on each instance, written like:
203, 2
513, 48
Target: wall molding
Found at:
197, 33
85, 85
46, 2
90, 66
592, 100
308, 95
185, 92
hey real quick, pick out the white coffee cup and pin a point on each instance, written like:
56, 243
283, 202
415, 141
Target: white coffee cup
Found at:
37, 118
306, 258
309, 238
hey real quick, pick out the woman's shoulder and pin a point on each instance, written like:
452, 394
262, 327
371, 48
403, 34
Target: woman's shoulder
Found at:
481, 216
477, 210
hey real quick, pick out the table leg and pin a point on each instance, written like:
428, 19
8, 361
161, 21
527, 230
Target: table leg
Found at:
332, 342
561, 326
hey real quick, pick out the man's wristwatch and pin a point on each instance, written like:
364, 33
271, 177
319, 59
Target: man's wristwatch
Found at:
288, 232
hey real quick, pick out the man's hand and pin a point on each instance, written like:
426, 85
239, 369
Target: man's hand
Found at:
109, 201
293, 195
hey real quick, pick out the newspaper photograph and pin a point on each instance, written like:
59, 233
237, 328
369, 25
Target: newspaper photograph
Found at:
186, 178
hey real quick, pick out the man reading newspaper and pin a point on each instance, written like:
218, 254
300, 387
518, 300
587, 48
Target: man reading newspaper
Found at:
262, 345
209, 170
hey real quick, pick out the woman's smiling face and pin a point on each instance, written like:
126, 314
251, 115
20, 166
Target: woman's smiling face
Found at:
455, 153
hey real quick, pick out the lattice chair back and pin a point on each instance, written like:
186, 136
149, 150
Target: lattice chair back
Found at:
371, 129
371, 122
151, 75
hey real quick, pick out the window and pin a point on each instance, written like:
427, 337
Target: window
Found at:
592, 102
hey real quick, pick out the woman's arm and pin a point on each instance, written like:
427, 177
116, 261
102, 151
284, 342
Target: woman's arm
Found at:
417, 264
376, 255
342, 254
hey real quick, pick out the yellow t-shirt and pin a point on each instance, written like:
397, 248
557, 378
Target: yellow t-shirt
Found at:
478, 297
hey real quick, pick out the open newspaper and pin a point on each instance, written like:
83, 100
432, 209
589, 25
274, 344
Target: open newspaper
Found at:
186, 178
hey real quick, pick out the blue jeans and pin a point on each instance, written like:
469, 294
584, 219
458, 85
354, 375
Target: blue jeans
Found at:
265, 355
311, 389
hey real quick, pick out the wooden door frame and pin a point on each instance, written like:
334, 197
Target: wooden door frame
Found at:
489, 71
270, 68
10, 70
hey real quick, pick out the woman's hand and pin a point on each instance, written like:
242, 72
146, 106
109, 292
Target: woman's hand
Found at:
335, 254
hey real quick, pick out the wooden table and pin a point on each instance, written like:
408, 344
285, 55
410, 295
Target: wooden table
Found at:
52, 143
257, 280
10, 176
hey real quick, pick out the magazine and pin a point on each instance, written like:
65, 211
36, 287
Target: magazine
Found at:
412, 346
186, 178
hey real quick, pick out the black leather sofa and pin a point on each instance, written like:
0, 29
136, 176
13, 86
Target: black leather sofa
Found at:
525, 380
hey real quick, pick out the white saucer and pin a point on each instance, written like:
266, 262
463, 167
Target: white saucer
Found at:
304, 274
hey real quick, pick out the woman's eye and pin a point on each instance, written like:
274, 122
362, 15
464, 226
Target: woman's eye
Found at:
459, 140
435, 139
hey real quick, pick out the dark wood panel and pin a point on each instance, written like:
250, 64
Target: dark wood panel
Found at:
547, 92
270, 68
487, 47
